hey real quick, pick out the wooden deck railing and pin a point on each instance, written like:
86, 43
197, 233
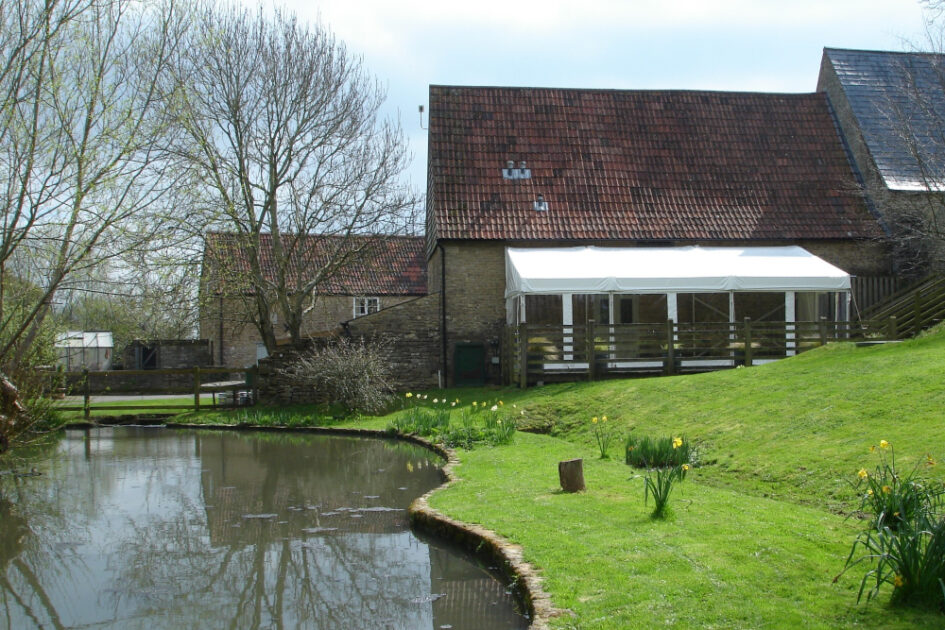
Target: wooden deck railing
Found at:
199, 381
548, 353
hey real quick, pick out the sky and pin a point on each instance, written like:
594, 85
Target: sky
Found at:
731, 45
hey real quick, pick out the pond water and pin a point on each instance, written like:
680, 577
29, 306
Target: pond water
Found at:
156, 528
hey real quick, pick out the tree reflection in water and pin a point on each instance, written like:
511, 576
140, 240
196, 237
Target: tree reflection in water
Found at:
171, 529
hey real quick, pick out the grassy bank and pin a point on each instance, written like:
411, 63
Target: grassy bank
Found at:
757, 531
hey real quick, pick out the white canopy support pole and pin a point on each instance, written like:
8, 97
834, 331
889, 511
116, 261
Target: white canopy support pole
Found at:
521, 310
671, 310
731, 317
567, 319
610, 320
789, 328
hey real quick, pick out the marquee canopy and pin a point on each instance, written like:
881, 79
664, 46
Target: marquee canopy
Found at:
690, 269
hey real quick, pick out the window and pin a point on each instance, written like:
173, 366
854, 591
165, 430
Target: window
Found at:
366, 305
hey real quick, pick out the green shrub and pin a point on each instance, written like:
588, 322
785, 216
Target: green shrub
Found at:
646, 452
356, 375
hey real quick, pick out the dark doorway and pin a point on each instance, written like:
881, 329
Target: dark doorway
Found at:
469, 365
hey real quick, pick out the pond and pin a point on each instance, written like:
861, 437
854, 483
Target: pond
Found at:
134, 527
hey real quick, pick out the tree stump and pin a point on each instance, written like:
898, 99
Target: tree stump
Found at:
571, 475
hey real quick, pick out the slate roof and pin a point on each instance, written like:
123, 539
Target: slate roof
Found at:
639, 166
898, 100
387, 265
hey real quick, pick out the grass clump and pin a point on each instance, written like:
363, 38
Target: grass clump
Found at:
904, 546
659, 483
463, 428
892, 498
604, 432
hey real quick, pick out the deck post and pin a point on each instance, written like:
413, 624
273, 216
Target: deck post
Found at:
748, 357
87, 395
523, 355
823, 330
589, 350
669, 365
892, 332
196, 389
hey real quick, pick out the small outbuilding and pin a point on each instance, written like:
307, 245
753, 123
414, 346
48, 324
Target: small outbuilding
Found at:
84, 350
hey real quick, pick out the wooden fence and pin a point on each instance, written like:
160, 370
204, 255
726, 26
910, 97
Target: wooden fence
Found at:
566, 353
242, 390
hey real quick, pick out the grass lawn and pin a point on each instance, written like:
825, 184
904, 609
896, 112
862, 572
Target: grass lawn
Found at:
757, 531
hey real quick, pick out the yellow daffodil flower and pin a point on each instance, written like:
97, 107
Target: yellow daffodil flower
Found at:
898, 582
863, 474
408, 395
883, 444
594, 420
886, 489
677, 442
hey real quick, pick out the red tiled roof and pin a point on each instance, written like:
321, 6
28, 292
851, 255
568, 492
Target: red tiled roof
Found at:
383, 265
639, 165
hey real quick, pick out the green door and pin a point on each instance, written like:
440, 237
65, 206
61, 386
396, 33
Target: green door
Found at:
469, 365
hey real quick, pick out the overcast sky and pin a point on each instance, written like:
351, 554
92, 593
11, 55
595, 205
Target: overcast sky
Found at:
742, 45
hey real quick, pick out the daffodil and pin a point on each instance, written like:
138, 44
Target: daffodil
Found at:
594, 420
863, 474
883, 444
886, 489
929, 461
501, 404
872, 449
685, 467
436, 400
898, 582
494, 408
408, 395
475, 404
453, 404
677, 442
603, 418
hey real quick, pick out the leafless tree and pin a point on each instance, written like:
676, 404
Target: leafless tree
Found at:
82, 177
283, 129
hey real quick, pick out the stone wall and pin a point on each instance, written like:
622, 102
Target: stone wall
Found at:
170, 353
240, 336
409, 332
475, 298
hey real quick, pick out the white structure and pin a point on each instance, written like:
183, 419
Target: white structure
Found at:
79, 350
611, 273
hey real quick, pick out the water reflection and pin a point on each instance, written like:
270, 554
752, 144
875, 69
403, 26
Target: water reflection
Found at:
149, 528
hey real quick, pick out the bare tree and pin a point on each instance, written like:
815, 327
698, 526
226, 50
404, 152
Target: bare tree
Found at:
83, 98
283, 129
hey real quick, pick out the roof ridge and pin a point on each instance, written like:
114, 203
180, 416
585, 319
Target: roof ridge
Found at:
673, 91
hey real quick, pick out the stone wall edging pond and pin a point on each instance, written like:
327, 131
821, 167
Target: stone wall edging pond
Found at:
480, 542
